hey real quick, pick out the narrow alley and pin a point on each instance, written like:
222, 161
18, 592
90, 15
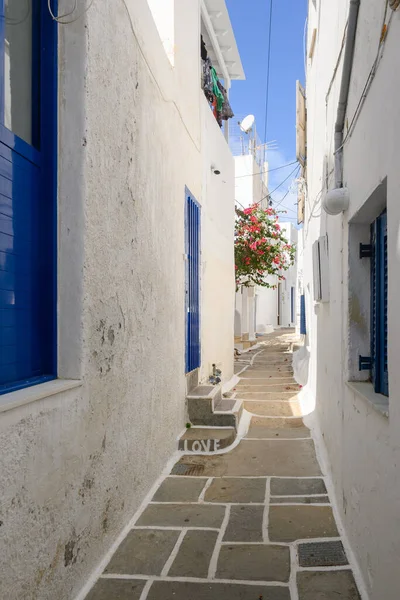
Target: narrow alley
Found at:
254, 521
199, 283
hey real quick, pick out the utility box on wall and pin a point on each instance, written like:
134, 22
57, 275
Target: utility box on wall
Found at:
321, 269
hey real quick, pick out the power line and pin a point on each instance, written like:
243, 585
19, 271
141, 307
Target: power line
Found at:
267, 170
268, 70
280, 201
282, 182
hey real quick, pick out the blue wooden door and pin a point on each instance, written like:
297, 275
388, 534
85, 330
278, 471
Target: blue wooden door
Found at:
292, 304
28, 91
192, 242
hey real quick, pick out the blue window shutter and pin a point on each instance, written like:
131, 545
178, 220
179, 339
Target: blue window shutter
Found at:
192, 239
303, 330
374, 357
384, 308
379, 306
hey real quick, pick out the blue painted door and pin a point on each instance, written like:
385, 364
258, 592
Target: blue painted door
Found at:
28, 88
292, 304
192, 242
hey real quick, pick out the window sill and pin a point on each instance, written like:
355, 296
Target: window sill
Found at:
36, 392
365, 390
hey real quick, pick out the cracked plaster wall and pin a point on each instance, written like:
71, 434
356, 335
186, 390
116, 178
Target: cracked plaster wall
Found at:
74, 467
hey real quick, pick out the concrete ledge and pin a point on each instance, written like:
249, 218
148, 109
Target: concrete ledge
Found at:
365, 390
36, 392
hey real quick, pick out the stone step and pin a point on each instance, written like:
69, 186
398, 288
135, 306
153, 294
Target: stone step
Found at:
266, 385
277, 363
271, 388
203, 439
207, 407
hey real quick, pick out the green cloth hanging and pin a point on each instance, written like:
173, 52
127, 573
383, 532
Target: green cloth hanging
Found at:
216, 91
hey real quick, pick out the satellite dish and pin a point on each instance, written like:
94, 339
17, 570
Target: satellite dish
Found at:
247, 123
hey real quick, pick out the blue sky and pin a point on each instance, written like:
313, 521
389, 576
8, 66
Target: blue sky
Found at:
250, 21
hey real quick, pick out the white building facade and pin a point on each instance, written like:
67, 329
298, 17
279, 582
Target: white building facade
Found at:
132, 145
351, 272
260, 310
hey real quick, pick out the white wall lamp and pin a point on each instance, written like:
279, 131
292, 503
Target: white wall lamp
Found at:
336, 201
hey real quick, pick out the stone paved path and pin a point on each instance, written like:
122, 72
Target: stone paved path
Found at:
253, 523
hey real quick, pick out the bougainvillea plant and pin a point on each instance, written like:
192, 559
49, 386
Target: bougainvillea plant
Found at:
261, 248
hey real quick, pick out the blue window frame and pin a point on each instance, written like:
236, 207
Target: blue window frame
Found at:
379, 302
28, 171
303, 329
192, 291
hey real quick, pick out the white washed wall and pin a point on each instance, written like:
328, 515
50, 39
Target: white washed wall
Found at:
362, 444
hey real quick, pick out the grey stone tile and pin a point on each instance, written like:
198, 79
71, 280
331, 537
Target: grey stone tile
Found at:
290, 523
206, 440
322, 554
193, 558
174, 489
327, 585
116, 589
245, 524
177, 590
236, 490
256, 562
293, 458
301, 500
225, 404
143, 552
300, 487
182, 515
270, 428
273, 409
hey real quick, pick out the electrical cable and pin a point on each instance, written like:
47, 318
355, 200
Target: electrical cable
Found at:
282, 182
370, 78
305, 46
168, 100
267, 170
59, 18
268, 71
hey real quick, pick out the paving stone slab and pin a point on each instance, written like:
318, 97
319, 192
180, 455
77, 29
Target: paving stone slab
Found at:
178, 590
182, 515
266, 374
327, 585
322, 554
300, 487
254, 562
203, 439
236, 490
245, 524
273, 409
265, 386
264, 428
194, 555
291, 523
301, 500
143, 552
116, 589
293, 458
278, 396
174, 489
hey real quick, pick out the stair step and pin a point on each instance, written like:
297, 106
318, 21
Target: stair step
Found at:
207, 407
203, 439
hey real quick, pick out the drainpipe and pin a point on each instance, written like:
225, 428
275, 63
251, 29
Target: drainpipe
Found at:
337, 200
